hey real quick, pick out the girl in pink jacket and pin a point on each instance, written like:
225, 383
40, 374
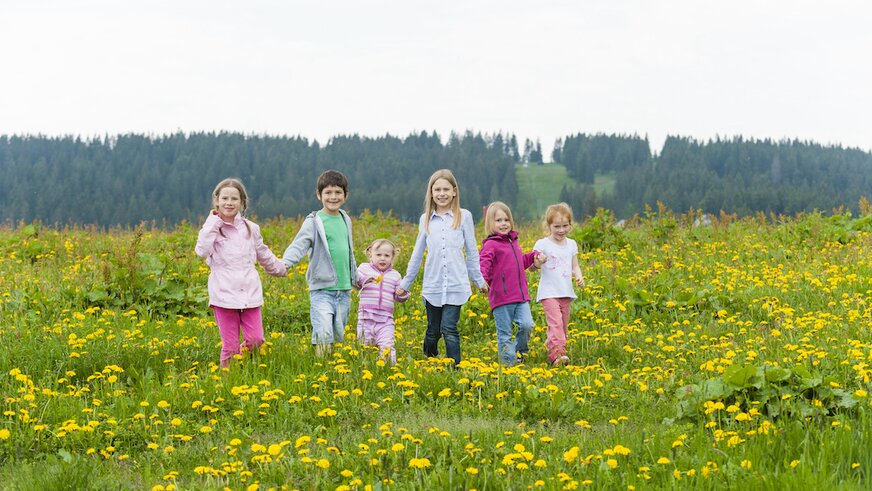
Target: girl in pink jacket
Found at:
231, 244
378, 283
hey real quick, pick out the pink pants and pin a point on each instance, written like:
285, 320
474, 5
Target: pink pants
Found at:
230, 322
557, 317
376, 330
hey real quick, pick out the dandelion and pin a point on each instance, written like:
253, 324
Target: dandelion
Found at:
323, 464
422, 463
571, 455
663, 460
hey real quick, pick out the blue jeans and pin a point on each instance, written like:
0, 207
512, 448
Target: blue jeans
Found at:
442, 322
504, 317
328, 311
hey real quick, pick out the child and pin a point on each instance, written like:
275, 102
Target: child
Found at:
445, 231
326, 238
555, 286
503, 265
230, 244
378, 283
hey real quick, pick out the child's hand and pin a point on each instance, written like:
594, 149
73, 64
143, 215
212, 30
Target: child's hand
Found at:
579, 282
484, 288
540, 259
400, 292
368, 281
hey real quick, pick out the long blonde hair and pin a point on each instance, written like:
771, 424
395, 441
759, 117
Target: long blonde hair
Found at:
430, 205
491, 215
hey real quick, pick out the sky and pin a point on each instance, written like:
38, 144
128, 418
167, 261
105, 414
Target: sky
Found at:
538, 69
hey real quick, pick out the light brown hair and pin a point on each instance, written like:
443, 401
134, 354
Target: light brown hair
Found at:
380, 242
232, 182
553, 211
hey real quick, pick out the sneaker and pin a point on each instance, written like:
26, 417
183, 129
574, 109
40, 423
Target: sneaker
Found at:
560, 360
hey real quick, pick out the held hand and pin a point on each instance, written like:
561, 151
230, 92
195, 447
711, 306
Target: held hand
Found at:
539, 260
400, 292
484, 288
579, 282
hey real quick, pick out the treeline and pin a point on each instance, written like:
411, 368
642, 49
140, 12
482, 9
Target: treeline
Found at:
132, 178
734, 175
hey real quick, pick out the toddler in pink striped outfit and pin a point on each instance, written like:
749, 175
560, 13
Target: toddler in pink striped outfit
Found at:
378, 283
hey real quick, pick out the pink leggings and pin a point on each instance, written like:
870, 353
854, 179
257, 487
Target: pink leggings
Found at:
230, 322
557, 317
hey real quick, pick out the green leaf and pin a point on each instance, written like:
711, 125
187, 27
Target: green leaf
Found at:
743, 376
776, 374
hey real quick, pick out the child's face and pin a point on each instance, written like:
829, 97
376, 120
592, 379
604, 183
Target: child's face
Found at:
228, 203
502, 224
332, 197
559, 227
443, 194
382, 256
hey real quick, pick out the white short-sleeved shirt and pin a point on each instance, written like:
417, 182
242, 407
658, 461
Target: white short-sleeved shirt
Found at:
556, 278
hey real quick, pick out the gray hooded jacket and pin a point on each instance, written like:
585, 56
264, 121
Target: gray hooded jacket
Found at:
312, 241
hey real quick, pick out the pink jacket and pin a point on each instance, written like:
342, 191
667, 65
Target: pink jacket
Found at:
230, 251
380, 294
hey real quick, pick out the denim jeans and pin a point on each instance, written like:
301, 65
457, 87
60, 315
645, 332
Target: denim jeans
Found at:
504, 317
328, 311
442, 322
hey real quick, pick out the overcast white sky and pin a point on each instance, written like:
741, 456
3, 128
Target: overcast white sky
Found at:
539, 69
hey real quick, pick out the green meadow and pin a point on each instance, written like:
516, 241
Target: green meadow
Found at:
730, 356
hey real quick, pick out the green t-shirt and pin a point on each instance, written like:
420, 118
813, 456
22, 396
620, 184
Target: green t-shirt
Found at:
337, 243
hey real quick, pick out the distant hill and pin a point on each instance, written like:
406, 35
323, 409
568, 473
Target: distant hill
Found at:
128, 179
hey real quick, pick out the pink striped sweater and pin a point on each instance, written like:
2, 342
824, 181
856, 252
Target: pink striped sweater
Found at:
380, 294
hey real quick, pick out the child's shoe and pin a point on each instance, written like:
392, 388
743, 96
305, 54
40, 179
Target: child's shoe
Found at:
560, 360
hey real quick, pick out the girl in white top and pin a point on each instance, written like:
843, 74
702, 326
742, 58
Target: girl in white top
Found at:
447, 233
561, 269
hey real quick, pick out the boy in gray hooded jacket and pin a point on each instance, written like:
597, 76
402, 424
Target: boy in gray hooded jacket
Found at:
325, 237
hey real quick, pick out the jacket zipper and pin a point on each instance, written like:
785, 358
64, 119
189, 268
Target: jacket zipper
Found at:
520, 269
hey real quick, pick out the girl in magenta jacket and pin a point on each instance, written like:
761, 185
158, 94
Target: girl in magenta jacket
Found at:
231, 245
503, 266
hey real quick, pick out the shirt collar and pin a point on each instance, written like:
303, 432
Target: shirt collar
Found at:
447, 213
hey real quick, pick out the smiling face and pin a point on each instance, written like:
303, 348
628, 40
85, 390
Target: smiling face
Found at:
502, 223
228, 203
443, 194
332, 197
559, 227
382, 256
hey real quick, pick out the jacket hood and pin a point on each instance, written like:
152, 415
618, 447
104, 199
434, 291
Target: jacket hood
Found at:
512, 235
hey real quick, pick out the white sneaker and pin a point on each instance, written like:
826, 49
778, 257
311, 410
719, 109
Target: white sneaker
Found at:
560, 360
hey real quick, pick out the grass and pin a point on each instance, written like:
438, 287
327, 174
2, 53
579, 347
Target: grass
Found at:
722, 357
540, 186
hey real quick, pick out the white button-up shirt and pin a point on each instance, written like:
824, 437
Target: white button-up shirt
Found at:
447, 272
